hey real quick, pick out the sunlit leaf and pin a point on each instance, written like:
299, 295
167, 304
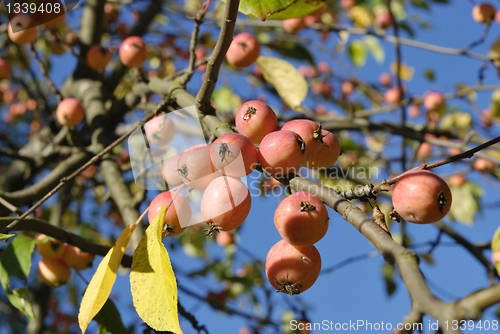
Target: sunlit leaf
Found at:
360, 16
290, 84
102, 282
406, 72
16, 261
6, 236
357, 53
152, 280
373, 45
298, 9
263, 8
494, 52
467, 202
495, 103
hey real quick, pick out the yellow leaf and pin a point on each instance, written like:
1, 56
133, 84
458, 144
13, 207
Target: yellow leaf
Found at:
102, 282
360, 16
290, 84
406, 71
152, 280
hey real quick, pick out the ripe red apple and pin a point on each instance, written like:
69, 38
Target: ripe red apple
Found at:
225, 203
322, 88
483, 12
414, 110
224, 238
316, 16
75, 258
31, 104
292, 270
235, 153
307, 71
54, 272
243, 51
495, 257
457, 180
392, 95
255, 120
70, 112
178, 213
301, 219
424, 150
323, 67
433, 101
98, 57
111, 12
133, 51
383, 20
309, 131
347, 87
497, 16
327, 154
49, 248
170, 171
385, 79
71, 38
196, 168
347, 4
282, 152
293, 25
486, 118
22, 30
421, 197
5, 70
160, 130
484, 165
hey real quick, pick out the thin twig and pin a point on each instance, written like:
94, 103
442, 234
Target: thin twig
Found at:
10, 206
384, 185
78, 171
45, 73
198, 20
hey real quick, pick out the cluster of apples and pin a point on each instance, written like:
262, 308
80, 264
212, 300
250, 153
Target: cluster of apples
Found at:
301, 219
58, 259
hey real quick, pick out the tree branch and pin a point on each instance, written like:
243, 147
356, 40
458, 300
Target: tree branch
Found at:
217, 58
40, 226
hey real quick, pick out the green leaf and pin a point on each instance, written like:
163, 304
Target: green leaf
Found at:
6, 236
388, 271
298, 9
429, 74
467, 202
427, 258
495, 241
109, 319
292, 50
421, 4
225, 100
495, 103
373, 45
263, 8
16, 261
289, 83
357, 53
